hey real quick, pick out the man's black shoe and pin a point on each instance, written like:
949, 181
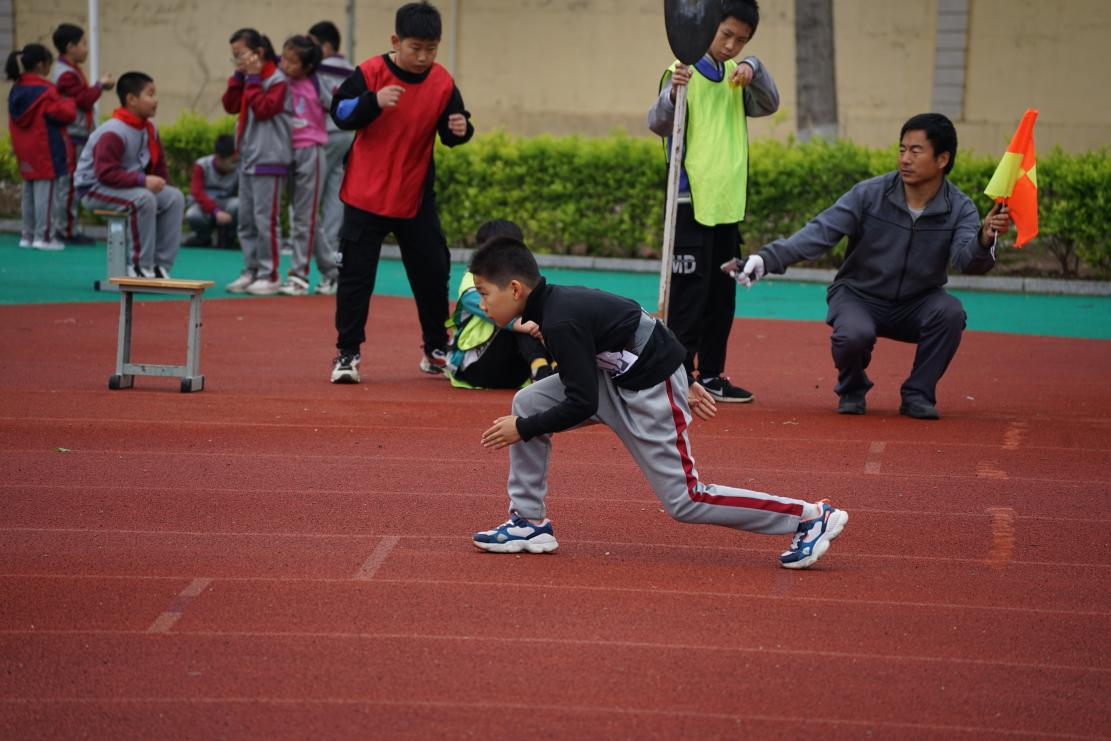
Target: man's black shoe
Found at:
919, 410
851, 405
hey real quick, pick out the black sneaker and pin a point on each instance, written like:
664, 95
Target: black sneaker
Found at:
720, 388
346, 369
78, 238
919, 410
851, 404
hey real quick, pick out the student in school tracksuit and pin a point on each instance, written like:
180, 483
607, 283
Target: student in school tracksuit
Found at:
620, 367
37, 120
73, 50
331, 73
124, 167
257, 92
214, 196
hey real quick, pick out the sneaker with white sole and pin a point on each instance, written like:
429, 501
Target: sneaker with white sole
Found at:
161, 272
722, 390
813, 537
518, 534
434, 362
264, 287
327, 287
294, 285
52, 245
346, 369
239, 285
134, 271
25, 243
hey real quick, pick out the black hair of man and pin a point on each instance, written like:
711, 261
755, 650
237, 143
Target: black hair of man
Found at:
746, 11
225, 146
31, 55
504, 259
132, 83
418, 21
326, 32
67, 34
939, 130
498, 228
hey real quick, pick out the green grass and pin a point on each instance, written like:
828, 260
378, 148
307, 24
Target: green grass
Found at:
34, 277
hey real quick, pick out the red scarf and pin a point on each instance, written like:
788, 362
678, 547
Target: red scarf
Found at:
267, 69
129, 118
84, 83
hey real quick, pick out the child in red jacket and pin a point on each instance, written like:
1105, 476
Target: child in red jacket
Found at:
73, 50
37, 119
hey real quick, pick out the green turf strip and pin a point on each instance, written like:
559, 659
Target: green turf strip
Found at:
35, 277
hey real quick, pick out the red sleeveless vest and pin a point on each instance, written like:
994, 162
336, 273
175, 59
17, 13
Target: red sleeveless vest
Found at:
390, 157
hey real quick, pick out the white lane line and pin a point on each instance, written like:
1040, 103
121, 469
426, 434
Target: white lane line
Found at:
874, 462
381, 552
167, 619
1002, 537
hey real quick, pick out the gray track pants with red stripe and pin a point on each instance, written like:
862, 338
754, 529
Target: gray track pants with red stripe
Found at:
306, 231
652, 424
260, 198
154, 226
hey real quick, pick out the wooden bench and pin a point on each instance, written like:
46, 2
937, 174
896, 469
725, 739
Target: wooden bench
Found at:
190, 373
117, 247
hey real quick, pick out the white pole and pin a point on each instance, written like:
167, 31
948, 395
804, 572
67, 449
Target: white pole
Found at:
454, 39
94, 50
678, 134
351, 32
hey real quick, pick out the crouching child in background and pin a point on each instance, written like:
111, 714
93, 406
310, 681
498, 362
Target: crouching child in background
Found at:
214, 196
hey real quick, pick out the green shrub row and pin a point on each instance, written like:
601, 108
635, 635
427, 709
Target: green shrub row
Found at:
604, 196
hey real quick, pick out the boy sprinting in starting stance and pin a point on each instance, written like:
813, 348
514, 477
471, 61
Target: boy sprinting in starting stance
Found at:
620, 367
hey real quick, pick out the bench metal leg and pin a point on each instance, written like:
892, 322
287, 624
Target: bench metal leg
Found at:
123, 380
117, 253
193, 380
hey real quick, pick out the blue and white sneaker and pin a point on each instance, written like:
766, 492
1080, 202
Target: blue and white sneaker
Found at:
518, 534
813, 537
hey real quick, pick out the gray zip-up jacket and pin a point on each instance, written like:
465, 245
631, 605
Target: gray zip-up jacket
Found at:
890, 256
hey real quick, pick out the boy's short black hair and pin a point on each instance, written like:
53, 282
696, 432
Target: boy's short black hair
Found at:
225, 146
746, 11
418, 21
503, 259
326, 32
939, 130
498, 228
132, 83
67, 34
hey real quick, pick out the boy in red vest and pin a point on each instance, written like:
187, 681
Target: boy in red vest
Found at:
396, 103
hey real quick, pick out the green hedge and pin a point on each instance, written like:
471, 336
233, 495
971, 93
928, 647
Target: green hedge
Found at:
604, 196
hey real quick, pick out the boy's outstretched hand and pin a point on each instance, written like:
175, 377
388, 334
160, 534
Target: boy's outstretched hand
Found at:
504, 432
700, 402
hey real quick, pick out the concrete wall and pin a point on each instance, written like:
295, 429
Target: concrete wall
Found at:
590, 66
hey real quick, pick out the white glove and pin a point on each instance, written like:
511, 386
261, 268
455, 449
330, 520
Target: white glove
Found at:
752, 271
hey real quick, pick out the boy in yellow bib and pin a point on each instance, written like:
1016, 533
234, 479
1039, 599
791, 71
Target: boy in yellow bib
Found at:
721, 94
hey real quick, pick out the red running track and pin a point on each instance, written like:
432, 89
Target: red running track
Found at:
279, 557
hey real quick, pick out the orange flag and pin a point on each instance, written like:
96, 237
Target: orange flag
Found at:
1015, 181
